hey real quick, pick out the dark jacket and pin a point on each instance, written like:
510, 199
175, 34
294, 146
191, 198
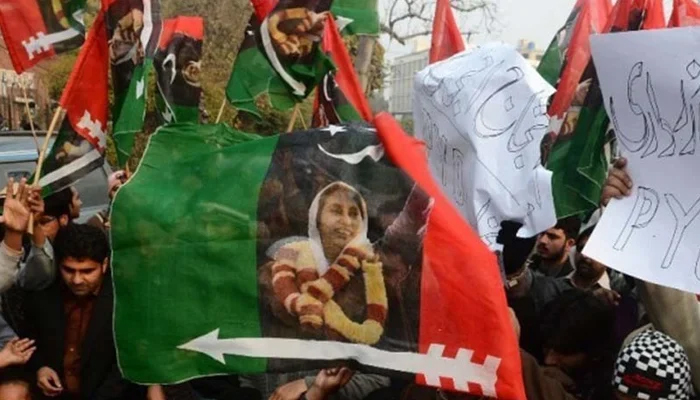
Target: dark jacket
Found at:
100, 376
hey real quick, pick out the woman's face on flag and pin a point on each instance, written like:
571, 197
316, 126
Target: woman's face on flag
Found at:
340, 218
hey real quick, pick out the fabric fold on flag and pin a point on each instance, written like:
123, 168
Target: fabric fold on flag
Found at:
35, 30
685, 13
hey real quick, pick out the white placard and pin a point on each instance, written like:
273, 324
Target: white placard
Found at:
482, 115
651, 90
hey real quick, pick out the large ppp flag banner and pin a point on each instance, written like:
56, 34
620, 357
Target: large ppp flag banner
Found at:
35, 30
328, 245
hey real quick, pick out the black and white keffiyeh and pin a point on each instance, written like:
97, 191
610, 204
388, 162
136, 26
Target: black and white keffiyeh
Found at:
653, 366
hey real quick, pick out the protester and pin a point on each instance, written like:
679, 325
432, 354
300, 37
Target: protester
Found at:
71, 322
554, 246
588, 274
75, 204
528, 292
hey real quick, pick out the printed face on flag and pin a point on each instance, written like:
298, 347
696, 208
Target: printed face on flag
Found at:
334, 259
125, 24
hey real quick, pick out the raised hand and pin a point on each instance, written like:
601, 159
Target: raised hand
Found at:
16, 212
618, 184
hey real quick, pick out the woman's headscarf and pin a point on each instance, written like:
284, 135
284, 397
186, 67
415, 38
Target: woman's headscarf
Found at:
361, 240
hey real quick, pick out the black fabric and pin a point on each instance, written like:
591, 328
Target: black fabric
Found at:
515, 250
100, 377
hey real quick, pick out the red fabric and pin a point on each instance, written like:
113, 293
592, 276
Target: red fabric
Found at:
190, 26
447, 38
463, 302
345, 75
263, 7
685, 13
21, 20
592, 17
86, 90
655, 18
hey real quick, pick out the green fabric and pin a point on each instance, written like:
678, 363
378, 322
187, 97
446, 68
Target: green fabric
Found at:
363, 13
551, 63
157, 256
71, 8
254, 76
129, 112
579, 165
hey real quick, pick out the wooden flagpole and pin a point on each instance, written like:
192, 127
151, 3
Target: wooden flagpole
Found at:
303, 122
29, 115
42, 154
293, 119
221, 110
44, 148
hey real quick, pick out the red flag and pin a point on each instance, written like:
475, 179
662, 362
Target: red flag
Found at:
447, 39
592, 16
36, 30
345, 75
685, 13
85, 96
471, 310
263, 7
632, 15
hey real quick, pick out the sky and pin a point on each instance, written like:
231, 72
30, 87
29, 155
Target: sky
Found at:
532, 20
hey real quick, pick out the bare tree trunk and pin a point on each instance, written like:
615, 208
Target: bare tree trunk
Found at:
363, 61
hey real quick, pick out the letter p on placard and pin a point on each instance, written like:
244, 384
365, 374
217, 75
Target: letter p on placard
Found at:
645, 206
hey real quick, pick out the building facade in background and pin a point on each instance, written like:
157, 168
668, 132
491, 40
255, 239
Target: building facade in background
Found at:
12, 94
403, 71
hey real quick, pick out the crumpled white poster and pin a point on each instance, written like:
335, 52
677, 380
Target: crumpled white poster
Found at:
482, 114
651, 91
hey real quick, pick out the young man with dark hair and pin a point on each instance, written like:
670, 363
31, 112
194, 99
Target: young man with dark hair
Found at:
578, 335
72, 323
554, 246
588, 274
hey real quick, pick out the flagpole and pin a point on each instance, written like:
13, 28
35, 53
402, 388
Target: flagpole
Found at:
293, 119
303, 122
29, 115
44, 148
221, 110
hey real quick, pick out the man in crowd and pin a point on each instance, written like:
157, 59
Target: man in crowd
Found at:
72, 323
589, 274
75, 203
554, 246
528, 292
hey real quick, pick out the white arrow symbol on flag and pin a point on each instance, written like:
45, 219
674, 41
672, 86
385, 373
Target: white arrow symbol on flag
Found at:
140, 86
432, 365
42, 42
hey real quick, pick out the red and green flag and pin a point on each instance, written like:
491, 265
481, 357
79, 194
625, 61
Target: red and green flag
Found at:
133, 29
234, 253
577, 157
685, 13
339, 97
35, 30
447, 38
361, 16
81, 141
178, 64
280, 56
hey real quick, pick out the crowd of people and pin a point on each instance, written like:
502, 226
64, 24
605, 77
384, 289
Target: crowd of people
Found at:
585, 330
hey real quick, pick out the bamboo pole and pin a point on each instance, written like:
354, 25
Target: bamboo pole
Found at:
221, 110
303, 121
293, 119
29, 115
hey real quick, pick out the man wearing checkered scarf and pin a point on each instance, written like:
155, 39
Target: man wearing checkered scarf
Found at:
652, 367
